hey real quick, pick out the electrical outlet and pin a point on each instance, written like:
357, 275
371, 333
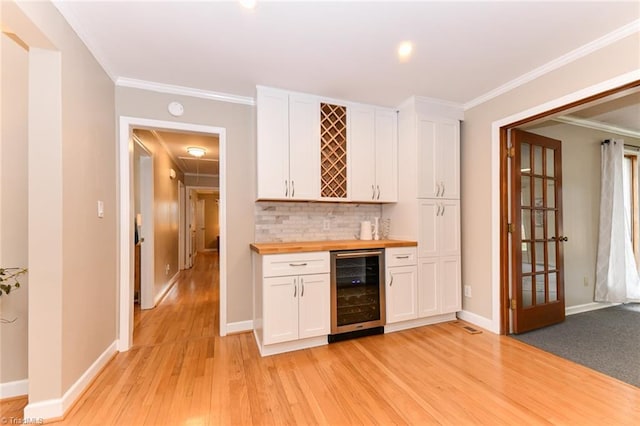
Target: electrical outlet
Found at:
167, 269
467, 291
326, 225
586, 282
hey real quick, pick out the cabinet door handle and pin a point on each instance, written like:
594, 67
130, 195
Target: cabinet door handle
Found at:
373, 192
402, 257
293, 188
295, 287
298, 264
378, 186
443, 208
440, 210
302, 285
286, 188
391, 282
443, 188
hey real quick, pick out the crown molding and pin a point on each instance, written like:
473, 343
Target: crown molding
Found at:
79, 29
563, 60
202, 175
183, 91
597, 125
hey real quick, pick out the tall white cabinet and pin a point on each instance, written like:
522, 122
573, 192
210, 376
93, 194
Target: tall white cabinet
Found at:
428, 207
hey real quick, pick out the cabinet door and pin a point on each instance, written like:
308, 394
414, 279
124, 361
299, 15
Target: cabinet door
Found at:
280, 307
401, 293
304, 147
386, 164
448, 237
448, 166
273, 144
362, 158
450, 284
427, 157
429, 210
428, 294
314, 309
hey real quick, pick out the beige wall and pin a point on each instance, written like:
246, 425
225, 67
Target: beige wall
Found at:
239, 122
580, 204
72, 302
476, 150
166, 212
13, 205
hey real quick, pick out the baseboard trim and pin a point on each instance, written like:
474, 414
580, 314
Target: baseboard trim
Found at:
478, 320
593, 306
239, 327
14, 389
418, 322
166, 289
57, 408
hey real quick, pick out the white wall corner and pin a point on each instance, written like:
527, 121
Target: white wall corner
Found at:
57, 408
239, 327
13, 389
478, 320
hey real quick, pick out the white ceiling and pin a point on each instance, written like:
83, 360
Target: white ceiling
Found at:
344, 50
176, 144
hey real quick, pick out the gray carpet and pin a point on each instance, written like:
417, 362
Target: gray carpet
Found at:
606, 340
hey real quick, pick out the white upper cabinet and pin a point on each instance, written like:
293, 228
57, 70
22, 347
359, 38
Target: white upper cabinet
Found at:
373, 156
438, 158
288, 157
304, 147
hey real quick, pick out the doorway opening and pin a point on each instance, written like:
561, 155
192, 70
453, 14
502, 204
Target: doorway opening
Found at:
509, 251
127, 214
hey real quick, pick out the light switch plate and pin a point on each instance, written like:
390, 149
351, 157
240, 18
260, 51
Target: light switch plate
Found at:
100, 209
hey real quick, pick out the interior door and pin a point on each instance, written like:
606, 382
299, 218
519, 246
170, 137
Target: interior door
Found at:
201, 226
537, 239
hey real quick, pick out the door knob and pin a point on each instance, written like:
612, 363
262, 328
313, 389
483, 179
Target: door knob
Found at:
560, 238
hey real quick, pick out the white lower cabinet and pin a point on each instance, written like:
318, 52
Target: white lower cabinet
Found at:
401, 284
291, 307
296, 307
439, 286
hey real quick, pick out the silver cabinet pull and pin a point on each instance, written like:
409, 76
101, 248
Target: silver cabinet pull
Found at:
402, 257
443, 208
378, 186
298, 264
391, 282
295, 287
373, 192
443, 188
286, 188
437, 189
302, 285
293, 188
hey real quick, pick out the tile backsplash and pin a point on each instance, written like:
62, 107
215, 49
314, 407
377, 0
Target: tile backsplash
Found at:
290, 221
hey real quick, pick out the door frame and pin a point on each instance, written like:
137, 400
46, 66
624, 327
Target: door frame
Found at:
499, 181
126, 210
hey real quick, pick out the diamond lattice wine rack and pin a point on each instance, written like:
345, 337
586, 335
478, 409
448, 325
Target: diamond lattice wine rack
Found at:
333, 151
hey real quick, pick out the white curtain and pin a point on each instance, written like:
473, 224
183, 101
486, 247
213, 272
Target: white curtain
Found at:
617, 278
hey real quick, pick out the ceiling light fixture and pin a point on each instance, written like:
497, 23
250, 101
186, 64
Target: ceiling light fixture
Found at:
248, 4
196, 151
404, 50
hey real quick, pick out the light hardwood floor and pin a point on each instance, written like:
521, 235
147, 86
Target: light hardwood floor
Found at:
181, 373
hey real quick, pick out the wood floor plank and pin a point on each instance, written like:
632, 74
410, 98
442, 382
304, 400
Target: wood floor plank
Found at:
180, 372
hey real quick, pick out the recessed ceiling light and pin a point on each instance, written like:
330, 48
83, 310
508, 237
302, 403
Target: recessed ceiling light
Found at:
248, 4
404, 50
196, 151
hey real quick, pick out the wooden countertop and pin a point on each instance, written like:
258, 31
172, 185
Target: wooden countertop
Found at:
304, 246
